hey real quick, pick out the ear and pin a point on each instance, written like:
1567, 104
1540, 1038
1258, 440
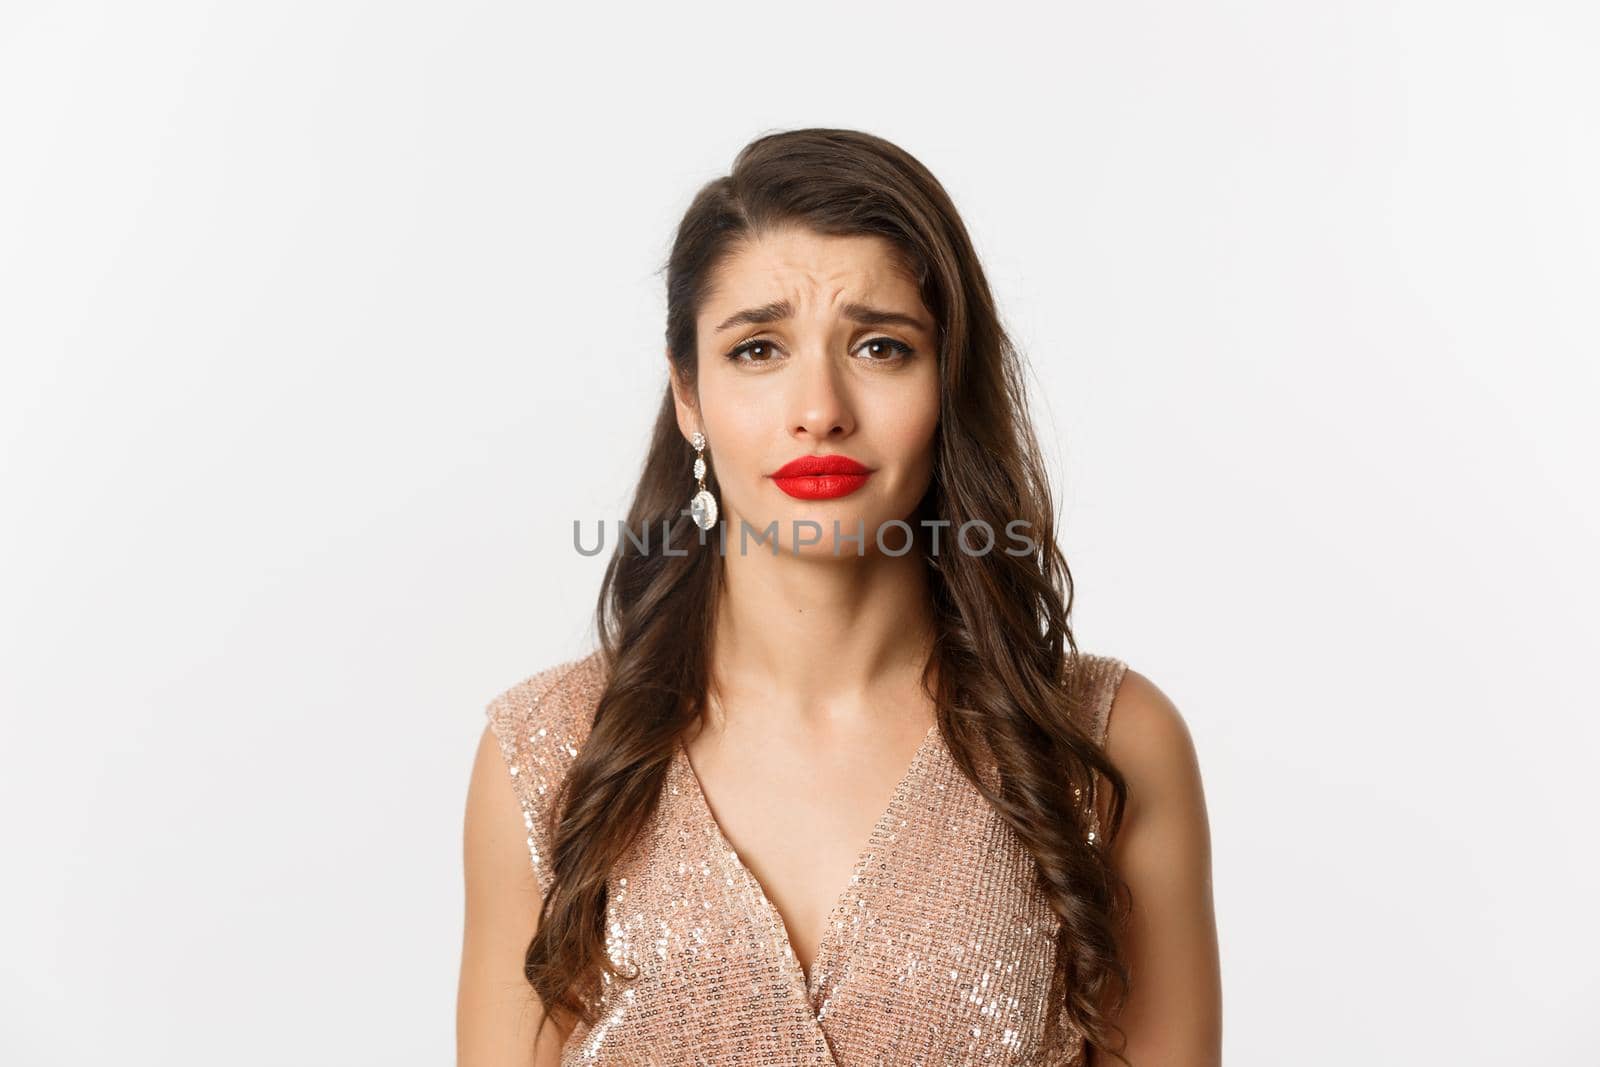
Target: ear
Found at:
684, 401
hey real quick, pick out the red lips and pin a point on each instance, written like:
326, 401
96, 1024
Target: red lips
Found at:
821, 477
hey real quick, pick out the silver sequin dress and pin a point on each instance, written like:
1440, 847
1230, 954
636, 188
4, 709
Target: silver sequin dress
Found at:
938, 953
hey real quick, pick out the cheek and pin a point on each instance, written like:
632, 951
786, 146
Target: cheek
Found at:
908, 433
738, 426
915, 419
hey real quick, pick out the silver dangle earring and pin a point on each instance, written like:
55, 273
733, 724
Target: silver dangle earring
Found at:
703, 508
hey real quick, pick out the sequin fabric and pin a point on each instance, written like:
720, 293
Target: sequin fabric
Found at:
938, 952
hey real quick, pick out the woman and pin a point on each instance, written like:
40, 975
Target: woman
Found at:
836, 785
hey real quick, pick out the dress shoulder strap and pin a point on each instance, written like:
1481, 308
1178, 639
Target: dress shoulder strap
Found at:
540, 723
1096, 679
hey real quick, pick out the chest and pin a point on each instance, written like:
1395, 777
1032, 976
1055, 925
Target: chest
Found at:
938, 949
801, 822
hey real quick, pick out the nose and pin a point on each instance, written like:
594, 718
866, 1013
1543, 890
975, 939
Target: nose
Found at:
819, 405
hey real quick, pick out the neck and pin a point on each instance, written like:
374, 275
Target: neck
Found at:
817, 639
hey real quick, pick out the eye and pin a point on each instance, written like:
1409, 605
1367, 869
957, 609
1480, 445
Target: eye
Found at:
760, 352
889, 350
880, 350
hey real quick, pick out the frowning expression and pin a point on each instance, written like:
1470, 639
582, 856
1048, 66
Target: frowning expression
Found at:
818, 387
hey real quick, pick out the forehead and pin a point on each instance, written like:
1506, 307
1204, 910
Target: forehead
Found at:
810, 266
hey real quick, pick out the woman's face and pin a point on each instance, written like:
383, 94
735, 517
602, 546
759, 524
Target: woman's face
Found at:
814, 345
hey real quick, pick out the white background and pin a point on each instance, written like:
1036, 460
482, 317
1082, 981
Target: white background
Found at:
321, 321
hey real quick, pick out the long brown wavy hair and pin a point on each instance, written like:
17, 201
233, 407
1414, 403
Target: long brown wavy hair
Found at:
1003, 654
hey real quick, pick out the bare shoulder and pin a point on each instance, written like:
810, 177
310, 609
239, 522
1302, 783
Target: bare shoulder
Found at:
1149, 741
498, 1015
531, 733
1163, 853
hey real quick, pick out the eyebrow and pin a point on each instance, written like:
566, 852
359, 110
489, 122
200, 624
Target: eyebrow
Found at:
863, 314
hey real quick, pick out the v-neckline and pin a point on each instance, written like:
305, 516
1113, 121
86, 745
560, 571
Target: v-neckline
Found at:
876, 838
